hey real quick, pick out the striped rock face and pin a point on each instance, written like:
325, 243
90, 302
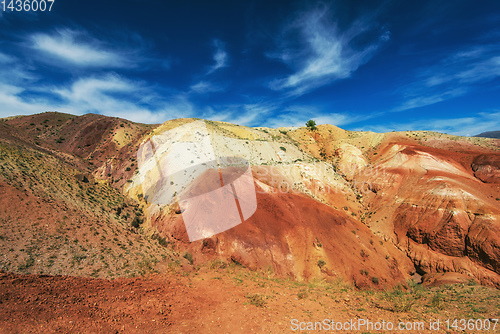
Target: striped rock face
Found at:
214, 192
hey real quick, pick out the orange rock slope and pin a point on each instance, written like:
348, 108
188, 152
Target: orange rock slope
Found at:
433, 206
369, 208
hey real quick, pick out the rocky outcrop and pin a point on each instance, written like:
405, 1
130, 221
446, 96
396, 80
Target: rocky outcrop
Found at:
436, 211
301, 238
486, 167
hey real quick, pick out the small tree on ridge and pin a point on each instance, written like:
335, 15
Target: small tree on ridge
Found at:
311, 125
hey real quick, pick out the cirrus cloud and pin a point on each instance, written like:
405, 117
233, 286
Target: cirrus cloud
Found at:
76, 48
325, 54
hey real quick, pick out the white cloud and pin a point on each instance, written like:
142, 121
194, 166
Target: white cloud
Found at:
425, 100
220, 57
109, 95
98, 94
298, 115
13, 104
463, 126
13, 73
455, 76
6, 59
77, 48
88, 89
327, 54
203, 87
251, 114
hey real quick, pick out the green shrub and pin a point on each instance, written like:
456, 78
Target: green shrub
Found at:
162, 242
216, 264
321, 263
188, 256
256, 299
437, 301
302, 295
311, 125
136, 222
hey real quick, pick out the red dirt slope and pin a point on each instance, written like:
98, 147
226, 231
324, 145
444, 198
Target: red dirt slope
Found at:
290, 234
429, 202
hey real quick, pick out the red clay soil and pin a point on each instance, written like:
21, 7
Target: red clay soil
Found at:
291, 234
220, 301
158, 304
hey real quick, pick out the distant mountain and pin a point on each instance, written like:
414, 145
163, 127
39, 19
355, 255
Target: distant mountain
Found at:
489, 134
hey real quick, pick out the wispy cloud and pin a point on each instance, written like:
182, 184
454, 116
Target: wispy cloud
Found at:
14, 104
425, 100
23, 91
13, 72
109, 94
220, 56
325, 53
114, 95
462, 126
249, 114
298, 115
76, 48
203, 87
456, 75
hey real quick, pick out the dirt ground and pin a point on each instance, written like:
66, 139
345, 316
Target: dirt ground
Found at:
229, 300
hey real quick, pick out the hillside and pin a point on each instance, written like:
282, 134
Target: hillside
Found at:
489, 134
372, 210
403, 200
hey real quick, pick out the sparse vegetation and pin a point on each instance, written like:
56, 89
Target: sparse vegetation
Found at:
188, 256
437, 301
256, 299
216, 264
302, 294
84, 228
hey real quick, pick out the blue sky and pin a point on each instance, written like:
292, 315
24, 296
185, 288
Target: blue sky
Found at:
360, 65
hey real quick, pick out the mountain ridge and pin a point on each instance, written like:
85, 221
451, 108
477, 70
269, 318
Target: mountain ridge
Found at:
369, 172
489, 134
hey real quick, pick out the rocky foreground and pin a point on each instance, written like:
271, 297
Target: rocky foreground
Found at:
230, 299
